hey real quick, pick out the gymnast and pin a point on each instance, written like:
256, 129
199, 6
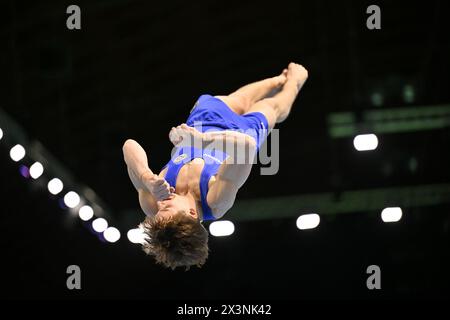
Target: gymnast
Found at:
203, 176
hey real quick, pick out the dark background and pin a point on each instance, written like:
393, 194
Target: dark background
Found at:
136, 68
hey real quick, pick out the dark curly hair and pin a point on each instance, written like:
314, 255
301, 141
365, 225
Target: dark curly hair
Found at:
176, 241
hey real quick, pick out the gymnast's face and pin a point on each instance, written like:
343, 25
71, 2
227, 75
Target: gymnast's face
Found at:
176, 203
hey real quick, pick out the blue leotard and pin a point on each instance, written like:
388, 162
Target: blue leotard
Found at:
212, 114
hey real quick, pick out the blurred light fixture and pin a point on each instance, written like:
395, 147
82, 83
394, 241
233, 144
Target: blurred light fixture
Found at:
221, 228
55, 186
391, 214
99, 225
308, 221
36, 170
377, 99
365, 142
111, 234
86, 213
71, 199
136, 235
17, 153
409, 93
24, 171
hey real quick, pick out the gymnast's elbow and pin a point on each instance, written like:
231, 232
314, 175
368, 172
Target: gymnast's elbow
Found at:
128, 149
128, 144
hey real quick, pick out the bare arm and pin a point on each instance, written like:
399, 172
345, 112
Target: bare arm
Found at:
137, 163
237, 166
150, 187
233, 172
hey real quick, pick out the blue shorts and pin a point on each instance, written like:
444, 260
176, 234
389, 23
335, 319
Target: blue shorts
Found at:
212, 114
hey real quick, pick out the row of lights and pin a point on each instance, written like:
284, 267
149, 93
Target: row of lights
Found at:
312, 220
71, 199
304, 222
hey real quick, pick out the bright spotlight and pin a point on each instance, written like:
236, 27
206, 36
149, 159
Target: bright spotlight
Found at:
308, 221
1, 133
86, 213
17, 153
71, 199
36, 170
221, 228
391, 214
365, 142
136, 235
99, 225
55, 186
111, 234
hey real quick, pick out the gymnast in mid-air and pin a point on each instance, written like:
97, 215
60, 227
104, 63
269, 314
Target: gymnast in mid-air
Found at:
202, 178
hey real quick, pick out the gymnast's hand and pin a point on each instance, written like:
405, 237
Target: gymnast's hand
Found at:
184, 135
157, 186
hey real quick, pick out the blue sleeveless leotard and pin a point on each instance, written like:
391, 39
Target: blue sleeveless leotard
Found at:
212, 114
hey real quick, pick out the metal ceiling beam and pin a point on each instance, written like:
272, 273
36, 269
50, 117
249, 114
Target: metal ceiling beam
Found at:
394, 120
340, 202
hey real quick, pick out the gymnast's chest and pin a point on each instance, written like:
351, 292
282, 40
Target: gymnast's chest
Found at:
189, 177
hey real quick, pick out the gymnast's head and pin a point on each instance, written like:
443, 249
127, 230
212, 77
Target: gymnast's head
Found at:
175, 236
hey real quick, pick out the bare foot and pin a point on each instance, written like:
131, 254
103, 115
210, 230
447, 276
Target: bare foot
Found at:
281, 79
297, 73
184, 135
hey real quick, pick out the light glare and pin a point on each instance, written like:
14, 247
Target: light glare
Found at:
308, 221
136, 235
99, 225
221, 228
391, 214
111, 234
71, 199
17, 153
365, 142
86, 213
55, 186
36, 170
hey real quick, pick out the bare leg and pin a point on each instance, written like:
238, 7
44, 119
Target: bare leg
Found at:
242, 99
277, 108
